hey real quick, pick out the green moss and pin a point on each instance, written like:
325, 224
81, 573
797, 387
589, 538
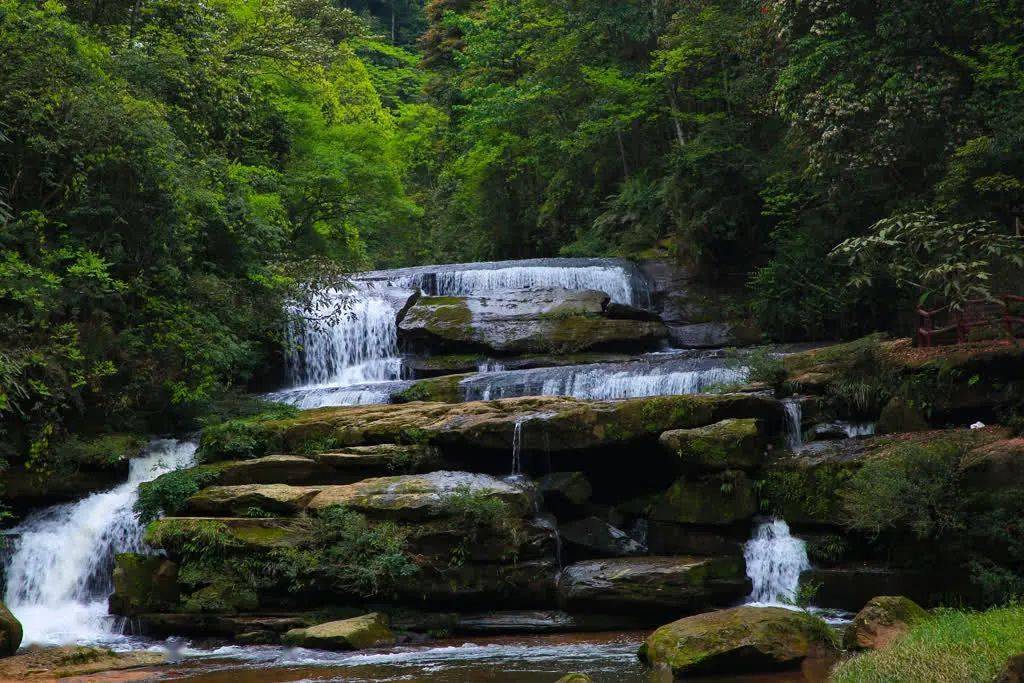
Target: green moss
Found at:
166, 495
801, 493
100, 452
438, 389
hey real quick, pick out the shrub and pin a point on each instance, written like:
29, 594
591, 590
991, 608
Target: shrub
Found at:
913, 486
166, 495
477, 515
340, 550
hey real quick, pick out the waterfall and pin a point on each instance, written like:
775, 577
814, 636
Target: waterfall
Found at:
605, 381
794, 430
60, 572
775, 560
517, 447
858, 430
620, 280
612, 281
355, 342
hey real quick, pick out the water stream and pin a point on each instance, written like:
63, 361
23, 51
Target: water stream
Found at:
59, 574
775, 559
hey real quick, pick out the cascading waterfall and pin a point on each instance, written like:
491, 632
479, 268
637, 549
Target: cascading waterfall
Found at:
604, 381
60, 572
611, 280
356, 341
620, 280
775, 560
858, 430
794, 431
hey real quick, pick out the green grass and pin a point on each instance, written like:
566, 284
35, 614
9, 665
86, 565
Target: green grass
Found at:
953, 646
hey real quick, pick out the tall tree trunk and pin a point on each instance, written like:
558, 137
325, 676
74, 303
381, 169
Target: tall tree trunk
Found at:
622, 153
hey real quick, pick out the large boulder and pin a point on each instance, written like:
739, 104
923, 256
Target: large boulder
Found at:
898, 416
994, 466
10, 632
738, 640
881, 621
721, 498
652, 584
359, 462
423, 496
729, 444
358, 633
534, 321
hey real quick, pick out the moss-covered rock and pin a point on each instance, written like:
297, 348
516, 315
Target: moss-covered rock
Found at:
143, 584
359, 462
899, 416
423, 496
437, 389
881, 621
274, 469
172, 533
729, 444
537, 321
358, 633
243, 500
995, 466
738, 640
10, 632
575, 677
652, 584
720, 498
551, 423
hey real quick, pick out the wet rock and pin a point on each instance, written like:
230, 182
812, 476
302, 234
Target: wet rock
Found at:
729, 444
10, 632
652, 584
737, 641
564, 490
439, 389
422, 496
590, 537
535, 321
722, 498
221, 625
143, 584
240, 501
883, 620
358, 633
533, 539
51, 663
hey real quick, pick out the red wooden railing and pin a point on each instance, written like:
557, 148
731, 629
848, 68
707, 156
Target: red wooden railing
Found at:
1006, 313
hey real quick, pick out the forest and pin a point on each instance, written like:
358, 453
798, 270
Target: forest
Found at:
172, 172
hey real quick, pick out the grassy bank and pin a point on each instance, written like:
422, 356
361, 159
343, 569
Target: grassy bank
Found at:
953, 646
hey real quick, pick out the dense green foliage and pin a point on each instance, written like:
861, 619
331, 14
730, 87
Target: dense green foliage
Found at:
171, 172
166, 495
951, 646
744, 135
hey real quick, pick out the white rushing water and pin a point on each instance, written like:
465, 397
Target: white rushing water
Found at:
605, 381
352, 338
619, 279
775, 559
794, 430
59, 574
